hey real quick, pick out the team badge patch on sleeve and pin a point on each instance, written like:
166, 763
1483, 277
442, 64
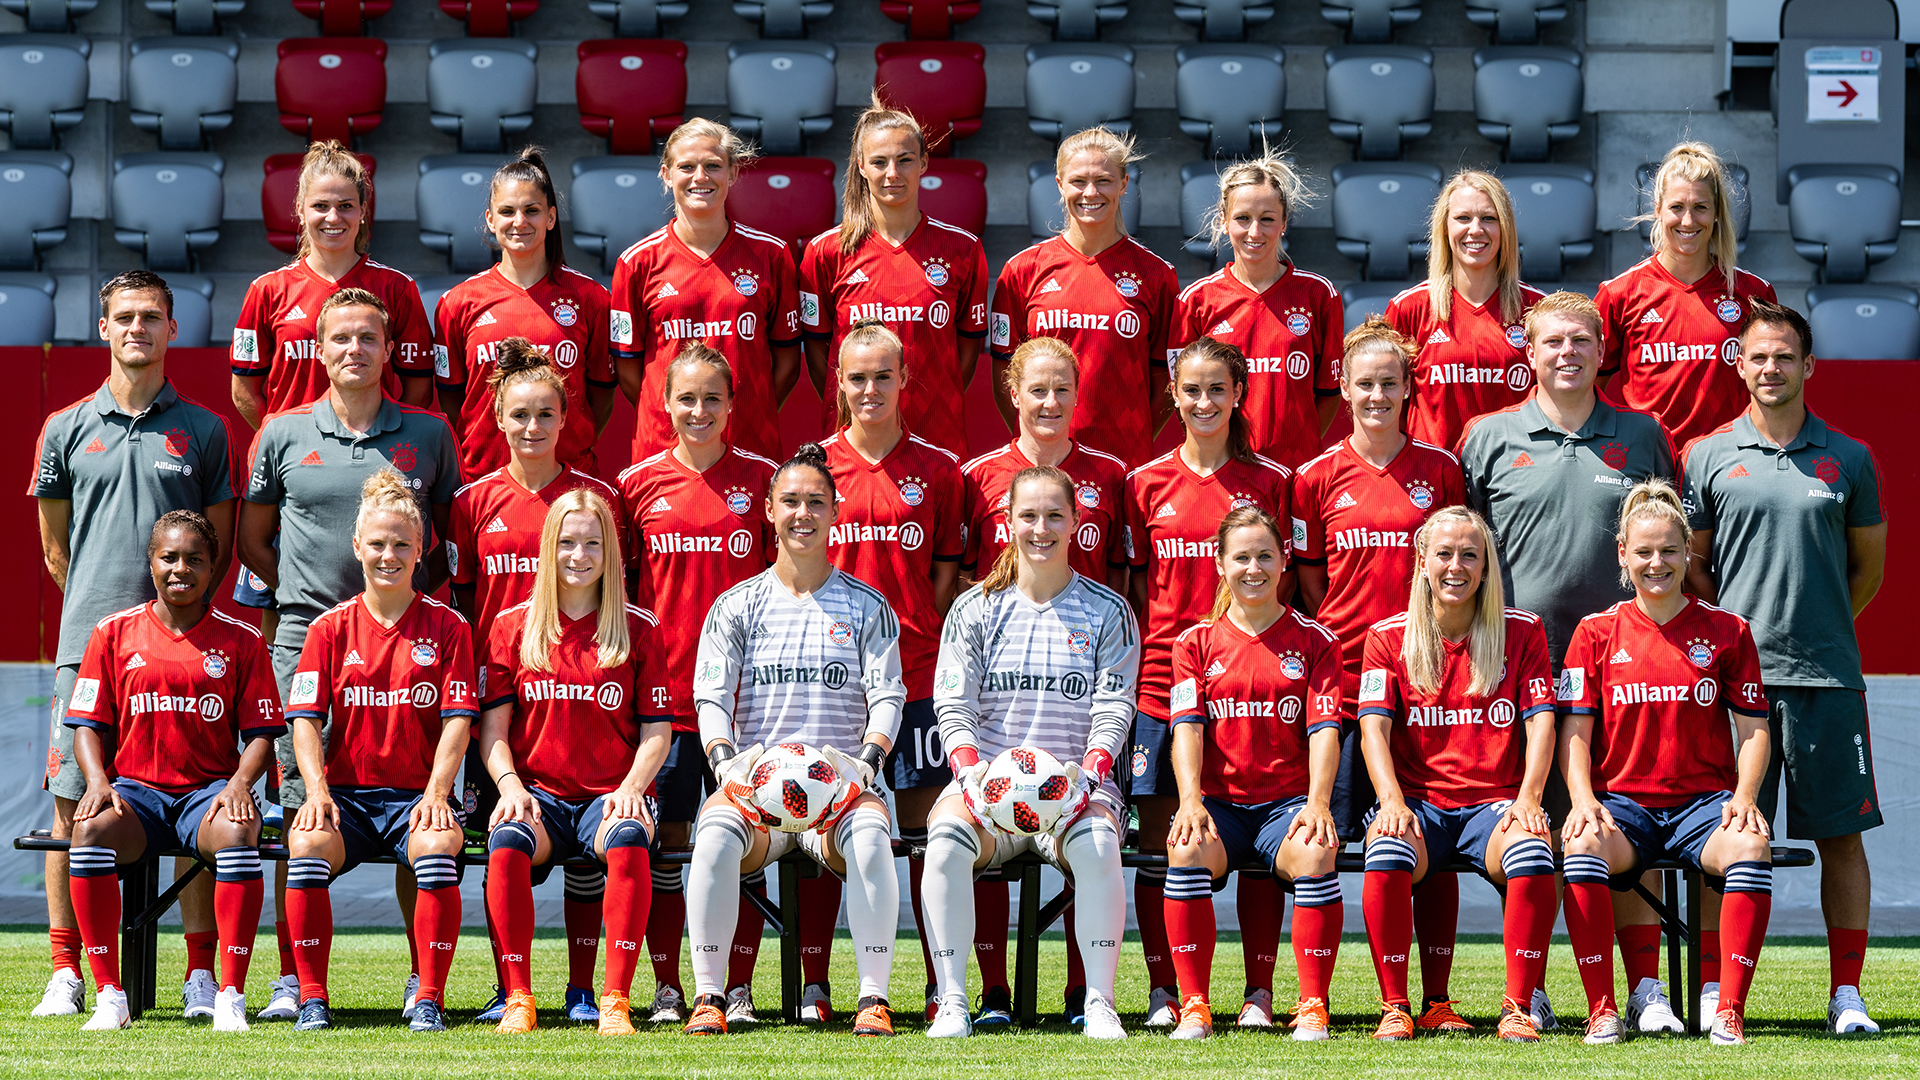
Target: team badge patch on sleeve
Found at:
86, 694
1373, 684
1573, 684
305, 689
1186, 697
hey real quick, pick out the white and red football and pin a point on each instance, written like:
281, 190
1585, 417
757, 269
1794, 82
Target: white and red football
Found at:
1026, 789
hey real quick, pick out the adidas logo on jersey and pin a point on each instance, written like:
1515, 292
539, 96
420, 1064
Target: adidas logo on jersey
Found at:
353, 659
1522, 461
1437, 336
1651, 316
1165, 511
296, 313
312, 458
1345, 500
1050, 286
486, 319
858, 277
96, 447
668, 290
660, 506
1218, 668
1621, 657
1738, 471
497, 526
135, 661
1222, 327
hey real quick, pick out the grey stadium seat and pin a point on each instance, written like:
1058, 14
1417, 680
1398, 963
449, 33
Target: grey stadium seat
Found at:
1643, 178
1380, 215
38, 195
1515, 22
1844, 217
50, 16
167, 205
1364, 298
1074, 87
1379, 96
615, 202
1864, 322
1369, 21
449, 203
637, 18
183, 88
1223, 20
196, 16
43, 86
434, 286
192, 309
26, 309
780, 92
1555, 208
1231, 97
782, 18
1045, 215
481, 89
1199, 197
1077, 20
1528, 97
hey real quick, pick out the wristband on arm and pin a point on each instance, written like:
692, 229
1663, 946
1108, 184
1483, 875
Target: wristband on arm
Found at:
872, 756
963, 757
720, 755
1099, 764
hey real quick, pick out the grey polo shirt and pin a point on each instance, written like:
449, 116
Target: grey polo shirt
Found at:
121, 472
1553, 499
1780, 517
312, 466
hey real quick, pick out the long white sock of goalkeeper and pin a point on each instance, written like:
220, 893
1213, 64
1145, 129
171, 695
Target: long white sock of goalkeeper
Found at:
713, 896
946, 901
1092, 851
865, 839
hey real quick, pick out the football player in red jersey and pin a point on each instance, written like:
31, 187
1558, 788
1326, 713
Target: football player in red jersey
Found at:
394, 670
1651, 766
1465, 319
1444, 684
924, 279
1288, 322
704, 278
695, 534
1100, 291
531, 293
1173, 505
564, 737
1256, 710
162, 768
1673, 321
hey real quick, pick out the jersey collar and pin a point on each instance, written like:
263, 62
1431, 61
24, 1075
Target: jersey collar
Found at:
105, 405
1812, 433
1600, 422
324, 418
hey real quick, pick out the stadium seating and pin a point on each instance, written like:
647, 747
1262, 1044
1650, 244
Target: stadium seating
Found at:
1077, 20
1527, 97
1555, 208
1231, 97
929, 20
489, 18
449, 203
615, 202
1379, 97
782, 18
1223, 20
481, 90
1380, 215
1047, 216
433, 287
183, 88
1074, 87
790, 197
1515, 22
196, 16
192, 310
1742, 202
167, 205
942, 83
26, 309
43, 86
343, 18
49, 16
280, 190
1864, 322
1844, 217
780, 92
631, 91
638, 18
955, 191
39, 199
1362, 300
1369, 21
331, 88
1199, 198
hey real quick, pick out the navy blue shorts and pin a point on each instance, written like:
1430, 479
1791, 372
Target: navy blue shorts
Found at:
918, 760
1352, 799
1249, 830
374, 822
169, 820
1148, 769
1679, 832
571, 825
1465, 830
684, 780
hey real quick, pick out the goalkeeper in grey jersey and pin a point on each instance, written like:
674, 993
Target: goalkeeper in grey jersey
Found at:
1037, 656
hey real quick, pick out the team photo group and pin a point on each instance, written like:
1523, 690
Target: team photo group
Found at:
1571, 599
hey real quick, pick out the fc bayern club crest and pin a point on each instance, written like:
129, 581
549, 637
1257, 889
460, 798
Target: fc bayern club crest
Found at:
1517, 336
177, 442
739, 502
404, 457
1079, 641
1241, 502
1293, 667
1420, 494
936, 274
1298, 324
839, 633
565, 314
912, 493
1728, 309
214, 665
424, 653
1128, 287
1700, 654
1089, 495
746, 283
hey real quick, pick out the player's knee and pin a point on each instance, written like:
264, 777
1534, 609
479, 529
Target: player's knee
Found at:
721, 833
512, 836
1528, 856
627, 833
1387, 854
952, 847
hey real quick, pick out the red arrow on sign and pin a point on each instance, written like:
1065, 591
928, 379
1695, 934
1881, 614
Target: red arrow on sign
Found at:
1846, 93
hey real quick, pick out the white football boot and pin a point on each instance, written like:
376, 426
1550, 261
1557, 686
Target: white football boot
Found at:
197, 994
109, 1010
1102, 1021
283, 999
65, 995
1649, 1012
230, 1011
1847, 1014
951, 1020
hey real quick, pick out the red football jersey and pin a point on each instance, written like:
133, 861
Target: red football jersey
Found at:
564, 314
1171, 516
1659, 697
931, 290
1359, 522
1671, 348
275, 335
1099, 487
388, 690
1260, 699
494, 541
1471, 364
1291, 335
1115, 309
695, 535
173, 709
1451, 748
741, 302
576, 725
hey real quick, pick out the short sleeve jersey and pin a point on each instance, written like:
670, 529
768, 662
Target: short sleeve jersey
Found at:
1259, 699
1780, 517
564, 315
1451, 747
1115, 309
1553, 499
494, 546
388, 690
1468, 364
1291, 335
1671, 347
742, 302
276, 335
121, 473
695, 535
174, 708
576, 725
931, 290
1659, 697
1099, 487
897, 517
1171, 516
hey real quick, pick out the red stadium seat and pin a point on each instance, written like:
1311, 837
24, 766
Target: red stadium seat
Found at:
331, 88
942, 83
955, 191
279, 192
929, 20
489, 18
790, 197
343, 18
631, 91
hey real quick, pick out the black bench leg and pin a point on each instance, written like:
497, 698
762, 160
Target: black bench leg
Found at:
790, 941
1676, 941
139, 937
1026, 960
1695, 1021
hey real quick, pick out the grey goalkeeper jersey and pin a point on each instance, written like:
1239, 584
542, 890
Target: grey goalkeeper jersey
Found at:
823, 670
1061, 676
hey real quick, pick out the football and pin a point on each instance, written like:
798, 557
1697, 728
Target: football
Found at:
795, 788
1026, 790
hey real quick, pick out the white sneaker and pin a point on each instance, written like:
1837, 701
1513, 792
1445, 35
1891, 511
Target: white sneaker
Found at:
1102, 1021
1709, 1000
740, 1006
1542, 1010
1257, 1010
1163, 1008
283, 999
816, 1003
1648, 1010
230, 1011
65, 995
197, 994
668, 1006
1847, 1014
410, 995
109, 1011
952, 1020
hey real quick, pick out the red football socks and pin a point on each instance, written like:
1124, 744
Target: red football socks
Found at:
1190, 937
1846, 954
1149, 908
1743, 929
991, 906
583, 918
201, 946
1386, 900
310, 922
1316, 943
65, 941
1527, 925
1436, 923
819, 911
285, 940
1589, 908
1709, 956
510, 907
436, 926
625, 906
1639, 952
1262, 905
96, 906
236, 911
666, 926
